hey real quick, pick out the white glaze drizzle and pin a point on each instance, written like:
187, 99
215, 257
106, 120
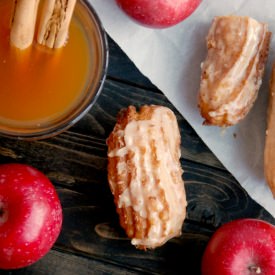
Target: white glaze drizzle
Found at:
223, 79
144, 197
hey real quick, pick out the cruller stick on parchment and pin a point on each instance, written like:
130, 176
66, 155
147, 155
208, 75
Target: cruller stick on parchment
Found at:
23, 23
54, 22
269, 153
232, 72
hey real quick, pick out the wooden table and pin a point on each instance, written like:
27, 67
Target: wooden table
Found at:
91, 241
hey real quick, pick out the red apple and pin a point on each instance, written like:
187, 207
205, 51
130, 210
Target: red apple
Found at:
241, 247
158, 13
30, 215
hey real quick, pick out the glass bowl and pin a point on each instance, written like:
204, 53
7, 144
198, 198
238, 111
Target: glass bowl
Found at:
95, 36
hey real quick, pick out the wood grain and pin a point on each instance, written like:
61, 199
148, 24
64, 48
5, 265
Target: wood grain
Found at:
91, 241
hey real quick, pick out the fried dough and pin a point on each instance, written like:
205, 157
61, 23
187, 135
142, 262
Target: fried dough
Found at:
145, 175
269, 152
233, 70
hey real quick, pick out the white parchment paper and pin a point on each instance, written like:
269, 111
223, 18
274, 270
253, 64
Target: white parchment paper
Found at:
171, 59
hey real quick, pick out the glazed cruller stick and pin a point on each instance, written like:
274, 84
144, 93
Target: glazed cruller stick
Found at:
53, 25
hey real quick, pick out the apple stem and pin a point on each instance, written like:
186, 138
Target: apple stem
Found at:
1, 212
254, 269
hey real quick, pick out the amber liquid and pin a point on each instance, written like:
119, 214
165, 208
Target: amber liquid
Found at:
38, 84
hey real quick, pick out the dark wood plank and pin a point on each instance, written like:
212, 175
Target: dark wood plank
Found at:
75, 161
57, 262
89, 135
102, 117
91, 227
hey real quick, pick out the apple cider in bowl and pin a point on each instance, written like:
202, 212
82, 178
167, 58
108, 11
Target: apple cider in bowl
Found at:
44, 91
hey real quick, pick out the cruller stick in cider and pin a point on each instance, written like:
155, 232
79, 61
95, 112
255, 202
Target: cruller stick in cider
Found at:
54, 22
23, 23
